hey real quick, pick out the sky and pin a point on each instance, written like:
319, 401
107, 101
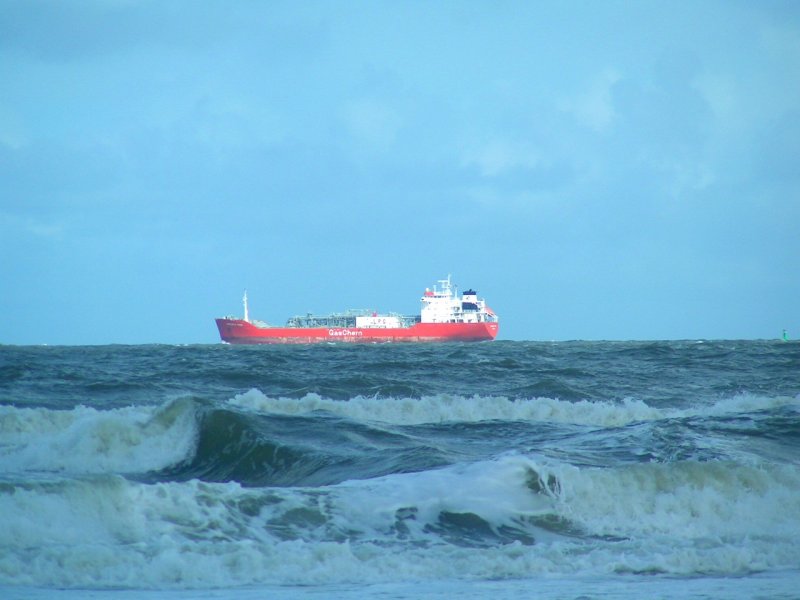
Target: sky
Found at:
595, 169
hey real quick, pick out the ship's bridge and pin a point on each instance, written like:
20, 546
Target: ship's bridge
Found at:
443, 306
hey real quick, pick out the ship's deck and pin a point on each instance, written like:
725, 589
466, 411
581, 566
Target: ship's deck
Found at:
345, 319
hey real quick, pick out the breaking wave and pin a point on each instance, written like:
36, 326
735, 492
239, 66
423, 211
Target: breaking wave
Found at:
263, 490
258, 440
454, 408
509, 517
87, 440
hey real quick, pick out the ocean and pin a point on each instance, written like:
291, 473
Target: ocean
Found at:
487, 470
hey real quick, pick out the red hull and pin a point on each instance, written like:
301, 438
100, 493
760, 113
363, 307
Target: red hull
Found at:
237, 331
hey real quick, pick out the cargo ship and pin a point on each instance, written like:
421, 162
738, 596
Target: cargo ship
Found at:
444, 317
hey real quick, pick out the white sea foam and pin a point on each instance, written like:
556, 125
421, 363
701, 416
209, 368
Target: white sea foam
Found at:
454, 408
693, 500
74, 526
689, 499
680, 519
497, 491
87, 440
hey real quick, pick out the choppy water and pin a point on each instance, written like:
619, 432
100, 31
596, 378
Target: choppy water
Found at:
492, 470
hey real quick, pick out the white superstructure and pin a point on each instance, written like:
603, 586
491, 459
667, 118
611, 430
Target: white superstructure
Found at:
444, 306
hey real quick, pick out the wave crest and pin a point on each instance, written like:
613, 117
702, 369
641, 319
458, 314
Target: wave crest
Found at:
454, 408
86, 440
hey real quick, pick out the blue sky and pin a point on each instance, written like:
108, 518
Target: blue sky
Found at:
596, 170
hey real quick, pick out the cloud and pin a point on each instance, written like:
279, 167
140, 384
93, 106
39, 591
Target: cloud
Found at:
373, 123
13, 136
778, 146
31, 225
65, 32
498, 156
62, 31
594, 107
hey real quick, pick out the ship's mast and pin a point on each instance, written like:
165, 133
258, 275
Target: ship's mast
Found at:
446, 289
246, 314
